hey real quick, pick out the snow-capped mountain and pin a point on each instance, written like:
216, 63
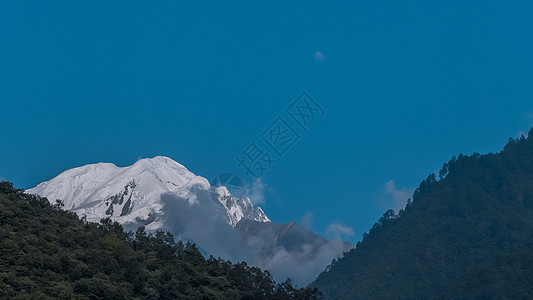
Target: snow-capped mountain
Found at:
161, 194
133, 195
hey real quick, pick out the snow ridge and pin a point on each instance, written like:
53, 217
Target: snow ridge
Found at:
132, 195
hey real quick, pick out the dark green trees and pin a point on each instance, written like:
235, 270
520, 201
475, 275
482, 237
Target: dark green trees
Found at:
467, 235
48, 253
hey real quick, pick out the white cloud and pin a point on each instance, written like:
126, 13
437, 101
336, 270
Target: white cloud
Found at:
307, 220
319, 56
337, 230
256, 192
396, 198
201, 220
303, 266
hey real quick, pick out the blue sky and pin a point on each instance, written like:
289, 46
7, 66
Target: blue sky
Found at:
405, 85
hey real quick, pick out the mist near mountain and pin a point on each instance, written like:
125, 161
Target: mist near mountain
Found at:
285, 250
290, 250
200, 220
49, 253
160, 194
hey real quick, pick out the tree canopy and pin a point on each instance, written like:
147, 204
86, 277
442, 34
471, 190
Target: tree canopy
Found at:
48, 253
468, 235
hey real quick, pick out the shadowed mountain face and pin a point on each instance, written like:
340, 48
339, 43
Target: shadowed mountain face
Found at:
468, 235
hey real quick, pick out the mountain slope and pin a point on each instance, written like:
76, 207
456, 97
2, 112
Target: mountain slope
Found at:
48, 253
160, 194
467, 235
132, 195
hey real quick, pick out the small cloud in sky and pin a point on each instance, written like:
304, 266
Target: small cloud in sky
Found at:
396, 198
337, 230
319, 56
307, 220
256, 191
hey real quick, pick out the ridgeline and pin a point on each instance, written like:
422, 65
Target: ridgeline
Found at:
467, 234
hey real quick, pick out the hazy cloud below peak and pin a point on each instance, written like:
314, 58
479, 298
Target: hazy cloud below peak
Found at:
337, 230
201, 220
307, 220
203, 223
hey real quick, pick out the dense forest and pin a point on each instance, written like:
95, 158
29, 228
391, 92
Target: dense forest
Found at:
467, 233
49, 253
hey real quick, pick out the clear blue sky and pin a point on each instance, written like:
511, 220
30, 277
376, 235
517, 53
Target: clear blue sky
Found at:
405, 85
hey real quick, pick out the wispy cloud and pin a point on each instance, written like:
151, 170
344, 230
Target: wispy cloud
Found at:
337, 230
303, 266
319, 56
395, 198
256, 191
197, 218
200, 220
307, 220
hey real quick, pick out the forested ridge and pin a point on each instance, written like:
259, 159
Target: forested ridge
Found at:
49, 253
467, 234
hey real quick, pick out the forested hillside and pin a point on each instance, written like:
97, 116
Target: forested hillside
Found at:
467, 233
48, 253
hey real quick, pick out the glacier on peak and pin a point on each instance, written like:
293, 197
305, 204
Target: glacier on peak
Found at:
131, 195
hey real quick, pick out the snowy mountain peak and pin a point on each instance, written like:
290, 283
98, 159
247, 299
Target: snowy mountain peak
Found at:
132, 195
161, 194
